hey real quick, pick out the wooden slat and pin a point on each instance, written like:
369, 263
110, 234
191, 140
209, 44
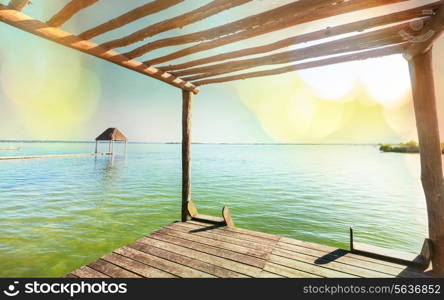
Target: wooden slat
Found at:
87, 272
281, 242
288, 272
285, 250
210, 9
247, 260
136, 267
430, 33
162, 264
131, 16
374, 39
26, 23
282, 17
187, 261
111, 270
195, 237
358, 26
346, 267
391, 50
70, 275
224, 238
305, 263
241, 230
18, 4
68, 11
164, 242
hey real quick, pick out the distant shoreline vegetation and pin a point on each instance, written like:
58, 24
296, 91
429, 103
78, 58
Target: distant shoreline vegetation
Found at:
408, 147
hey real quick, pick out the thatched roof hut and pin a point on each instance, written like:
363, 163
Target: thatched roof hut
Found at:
112, 134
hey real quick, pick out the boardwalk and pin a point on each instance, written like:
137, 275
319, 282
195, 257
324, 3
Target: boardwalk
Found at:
195, 249
53, 156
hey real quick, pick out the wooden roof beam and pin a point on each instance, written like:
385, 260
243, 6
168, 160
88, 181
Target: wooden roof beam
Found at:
292, 14
212, 8
26, 23
428, 35
391, 50
358, 42
68, 11
18, 4
131, 16
308, 37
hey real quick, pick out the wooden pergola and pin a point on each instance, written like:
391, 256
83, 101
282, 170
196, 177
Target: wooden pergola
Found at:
410, 32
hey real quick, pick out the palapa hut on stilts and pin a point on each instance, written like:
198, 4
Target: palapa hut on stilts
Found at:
112, 135
410, 32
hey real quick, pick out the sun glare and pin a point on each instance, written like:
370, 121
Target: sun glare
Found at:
386, 79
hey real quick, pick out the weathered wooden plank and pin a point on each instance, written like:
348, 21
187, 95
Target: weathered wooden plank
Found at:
205, 11
111, 269
386, 51
338, 269
18, 4
172, 237
428, 35
187, 261
384, 253
288, 272
227, 239
306, 264
70, 275
162, 264
87, 272
424, 100
357, 26
136, 267
131, 16
68, 11
292, 14
163, 242
26, 23
285, 243
179, 232
373, 39
237, 229
343, 258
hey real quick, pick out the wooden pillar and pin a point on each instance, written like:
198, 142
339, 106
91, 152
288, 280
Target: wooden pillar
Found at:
423, 89
187, 100
96, 146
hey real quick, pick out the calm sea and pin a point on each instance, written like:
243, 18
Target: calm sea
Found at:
58, 214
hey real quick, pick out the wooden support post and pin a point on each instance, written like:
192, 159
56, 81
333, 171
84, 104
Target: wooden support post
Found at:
187, 100
96, 146
423, 89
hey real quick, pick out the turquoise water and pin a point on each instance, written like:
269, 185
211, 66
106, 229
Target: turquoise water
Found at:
58, 214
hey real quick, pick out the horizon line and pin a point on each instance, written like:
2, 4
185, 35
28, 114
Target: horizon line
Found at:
196, 143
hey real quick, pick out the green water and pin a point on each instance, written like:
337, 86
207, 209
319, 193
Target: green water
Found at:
59, 214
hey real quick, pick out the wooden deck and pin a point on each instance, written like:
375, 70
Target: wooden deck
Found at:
195, 249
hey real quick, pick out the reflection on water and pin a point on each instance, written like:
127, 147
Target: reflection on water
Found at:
58, 214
